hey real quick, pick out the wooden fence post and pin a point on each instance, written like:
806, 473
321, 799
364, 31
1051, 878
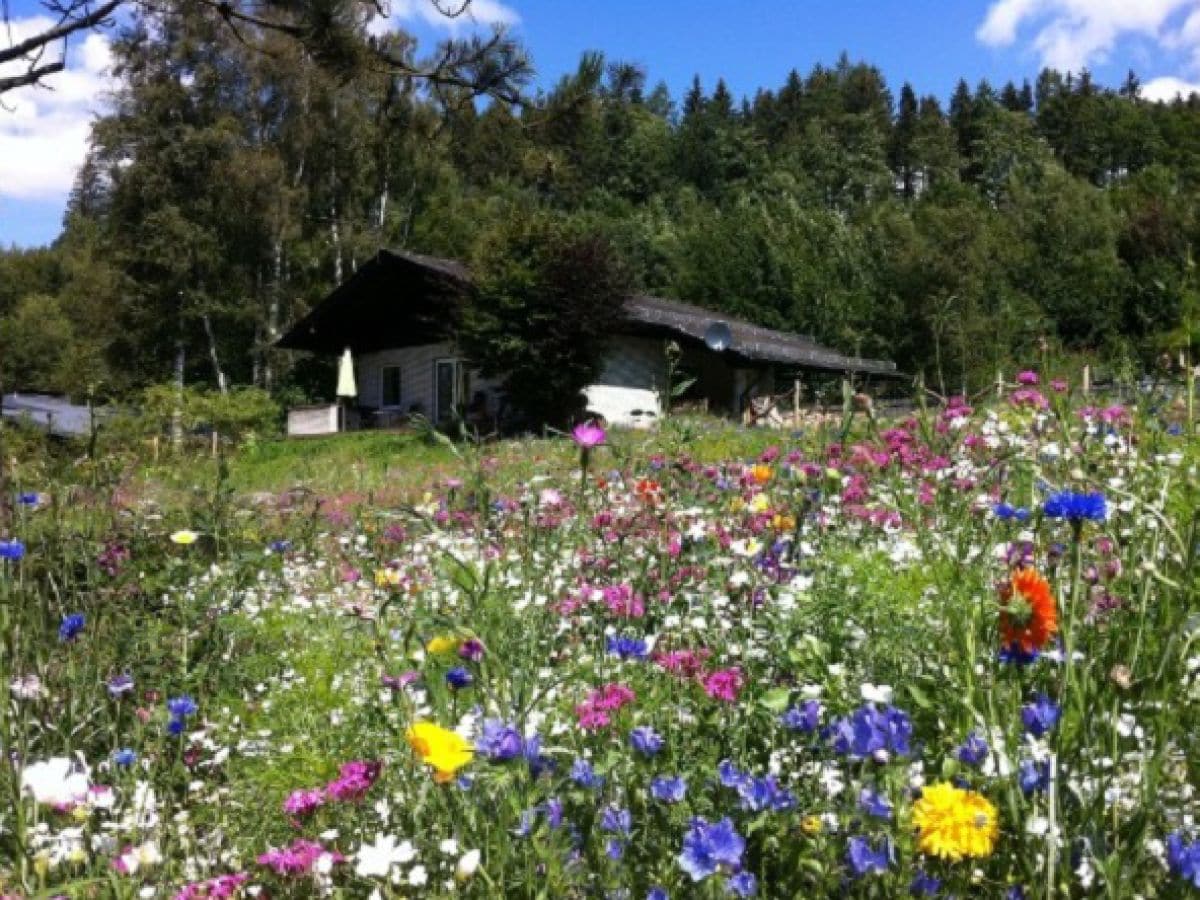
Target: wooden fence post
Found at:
999, 384
796, 403
1087, 380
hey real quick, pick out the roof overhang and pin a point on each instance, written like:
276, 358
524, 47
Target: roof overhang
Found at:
392, 300
401, 299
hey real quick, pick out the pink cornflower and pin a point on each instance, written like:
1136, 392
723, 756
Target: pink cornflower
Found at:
588, 435
354, 780
302, 802
471, 649
1028, 397
1058, 386
220, 888
724, 684
686, 663
622, 601
1028, 377
298, 859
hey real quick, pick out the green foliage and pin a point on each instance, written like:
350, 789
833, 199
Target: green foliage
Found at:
239, 178
548, 291
242, 414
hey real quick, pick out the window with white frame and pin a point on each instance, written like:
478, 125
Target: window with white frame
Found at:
390, 392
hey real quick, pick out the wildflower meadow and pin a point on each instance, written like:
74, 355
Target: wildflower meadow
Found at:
945, 652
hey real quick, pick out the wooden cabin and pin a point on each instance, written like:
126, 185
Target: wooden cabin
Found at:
397, 316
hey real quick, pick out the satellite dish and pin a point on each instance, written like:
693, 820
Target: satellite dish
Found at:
718, 337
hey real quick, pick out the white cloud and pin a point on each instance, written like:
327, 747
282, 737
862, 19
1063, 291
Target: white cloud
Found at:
474, 13
44, 130
1168, 88
1073, 34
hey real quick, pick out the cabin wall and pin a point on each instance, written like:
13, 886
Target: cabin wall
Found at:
416, 378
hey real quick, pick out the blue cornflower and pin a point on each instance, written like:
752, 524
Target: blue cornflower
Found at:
973, 751
499, 741
668, 788
459, 678
120, 684
176, 726
125, 757
657, 893
805, 718
645, 740
925, 885
865, 859
617, 820
13, 550
1006, 512
70, 627
583, 775
615, 848
1175, 429
1033, 777
729, 774
758, 794
182, 706
627, 647
1076, 507
554, 812
743, 884
1184, 858
280, 546
873, 732
875, 804
707, 847
29, 499
533, 755
1017, 655
1040, 716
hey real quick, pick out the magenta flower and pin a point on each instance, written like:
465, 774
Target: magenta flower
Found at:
353, 781
724, 684
588, 435
303, 802
1028, 377
298, 859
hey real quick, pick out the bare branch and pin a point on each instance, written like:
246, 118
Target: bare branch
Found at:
31, 76
67, 26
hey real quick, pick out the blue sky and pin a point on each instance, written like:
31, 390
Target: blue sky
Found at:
751, 43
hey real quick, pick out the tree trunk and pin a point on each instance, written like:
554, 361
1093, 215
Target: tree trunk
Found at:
273, 298
222, 381
180, 364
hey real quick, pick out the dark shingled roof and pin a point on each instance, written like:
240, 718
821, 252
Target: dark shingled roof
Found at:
361, 313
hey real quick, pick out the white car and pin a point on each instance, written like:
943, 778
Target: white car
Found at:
630, 407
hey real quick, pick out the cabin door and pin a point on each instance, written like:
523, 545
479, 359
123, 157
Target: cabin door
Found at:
448, 387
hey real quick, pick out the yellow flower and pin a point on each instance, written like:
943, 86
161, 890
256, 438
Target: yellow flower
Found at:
953, 823
737, 504
444, 750
185, 537
760, 504
784, 523
388, 577
443, 644
811, 825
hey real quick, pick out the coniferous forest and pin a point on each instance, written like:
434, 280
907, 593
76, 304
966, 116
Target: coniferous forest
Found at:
239, 174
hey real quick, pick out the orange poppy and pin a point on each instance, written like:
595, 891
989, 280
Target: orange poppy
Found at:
1028, 615
647, 491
